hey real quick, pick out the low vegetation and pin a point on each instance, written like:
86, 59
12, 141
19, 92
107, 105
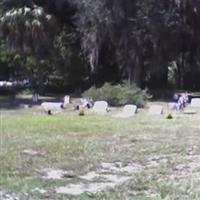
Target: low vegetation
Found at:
118, 95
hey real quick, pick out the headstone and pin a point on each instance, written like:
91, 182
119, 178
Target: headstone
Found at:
195, 102
189, 111
156, 110
173, 106
52, 107
128, 111
100, 107
26, 106
66, 99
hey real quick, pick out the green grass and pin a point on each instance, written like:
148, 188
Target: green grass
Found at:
81, 143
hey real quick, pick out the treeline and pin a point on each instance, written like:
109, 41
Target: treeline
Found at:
78, 43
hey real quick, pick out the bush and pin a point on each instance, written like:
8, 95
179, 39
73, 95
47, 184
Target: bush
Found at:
27, 91
169, 116
118, 95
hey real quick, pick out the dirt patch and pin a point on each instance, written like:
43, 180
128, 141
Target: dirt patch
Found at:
54, 174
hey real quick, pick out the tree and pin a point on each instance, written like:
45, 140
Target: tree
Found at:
119, 39
29, 30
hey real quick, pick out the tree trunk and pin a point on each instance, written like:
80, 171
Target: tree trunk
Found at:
180, 71
136, 73
179, 75
41, 86
41, 78
164, 78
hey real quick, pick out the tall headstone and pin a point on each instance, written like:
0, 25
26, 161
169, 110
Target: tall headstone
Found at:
66, 99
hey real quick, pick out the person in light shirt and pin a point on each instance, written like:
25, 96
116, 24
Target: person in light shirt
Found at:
35, 97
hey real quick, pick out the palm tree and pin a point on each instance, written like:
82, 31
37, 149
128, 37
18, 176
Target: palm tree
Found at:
30, 31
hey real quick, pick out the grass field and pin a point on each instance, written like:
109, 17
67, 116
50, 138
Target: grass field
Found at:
168, 152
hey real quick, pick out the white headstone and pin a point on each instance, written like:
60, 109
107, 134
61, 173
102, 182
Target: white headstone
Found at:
66, 99
156, 110
100, 107
53, 107
128, 111
195, 102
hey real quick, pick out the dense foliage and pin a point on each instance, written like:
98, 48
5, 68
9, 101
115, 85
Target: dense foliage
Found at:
78, 43
118, 95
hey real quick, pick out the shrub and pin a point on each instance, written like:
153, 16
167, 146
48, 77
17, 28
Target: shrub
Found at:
118, 95
27, 91
169, 116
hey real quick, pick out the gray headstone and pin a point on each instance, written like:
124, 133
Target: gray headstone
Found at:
173, 106
195, 102
100, 107
54, 107
24, 106
156, 110
128, 111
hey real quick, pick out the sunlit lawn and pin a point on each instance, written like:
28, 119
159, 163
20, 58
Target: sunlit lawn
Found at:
80, 143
